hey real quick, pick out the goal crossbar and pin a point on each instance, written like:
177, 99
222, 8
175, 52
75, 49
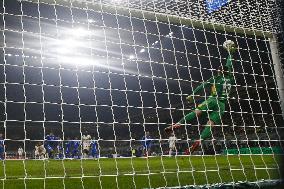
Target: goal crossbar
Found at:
157, 16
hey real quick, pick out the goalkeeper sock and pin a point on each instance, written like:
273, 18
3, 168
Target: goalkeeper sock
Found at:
189, 117
206, 132
194, 146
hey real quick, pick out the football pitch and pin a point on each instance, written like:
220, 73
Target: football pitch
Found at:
150, 172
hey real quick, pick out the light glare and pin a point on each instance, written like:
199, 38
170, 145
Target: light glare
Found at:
142, 50
79, 61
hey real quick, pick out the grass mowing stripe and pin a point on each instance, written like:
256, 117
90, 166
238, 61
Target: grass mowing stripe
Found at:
55, 173
145, 172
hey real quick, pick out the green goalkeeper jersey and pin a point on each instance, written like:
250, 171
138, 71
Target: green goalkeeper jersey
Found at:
221, 84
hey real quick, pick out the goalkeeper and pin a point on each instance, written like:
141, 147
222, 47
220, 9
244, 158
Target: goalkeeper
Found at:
214, 105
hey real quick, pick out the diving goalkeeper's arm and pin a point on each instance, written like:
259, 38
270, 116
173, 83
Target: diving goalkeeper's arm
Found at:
225, 70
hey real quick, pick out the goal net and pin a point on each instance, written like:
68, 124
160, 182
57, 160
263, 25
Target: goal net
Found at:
140, 93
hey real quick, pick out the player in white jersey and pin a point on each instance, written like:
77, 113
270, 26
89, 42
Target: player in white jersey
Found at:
20, 153
86, 141
40, 151
172, 143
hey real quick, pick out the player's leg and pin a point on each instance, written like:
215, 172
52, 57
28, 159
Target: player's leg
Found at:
173, 149
85, 153
95, 154
2, 153
37, 155
188, 117
60, 152
143, 151
215, 117
42, 155
176, 150
49, 151
51, 154
149, 150
206, 133
192, 115
147, 153
146, 150
77, 154
73, 154
67, 153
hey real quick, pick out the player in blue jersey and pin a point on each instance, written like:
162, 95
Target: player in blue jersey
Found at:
76, 148
56, 141
68, 148
60, 151
2, 147
49, 145
146, 143
94, 149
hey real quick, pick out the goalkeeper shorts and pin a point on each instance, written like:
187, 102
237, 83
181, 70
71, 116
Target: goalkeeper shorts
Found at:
214, 108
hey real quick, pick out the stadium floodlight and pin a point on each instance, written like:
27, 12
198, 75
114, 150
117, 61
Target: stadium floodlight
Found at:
91, 21
79, 32
116, 1
131, 57
76, 60
69, 45
65, 47
64, 50
142, 50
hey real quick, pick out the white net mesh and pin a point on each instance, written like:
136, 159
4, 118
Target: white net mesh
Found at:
121, 71
254, 14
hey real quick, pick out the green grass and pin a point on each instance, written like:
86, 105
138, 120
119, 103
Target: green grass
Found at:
165, 171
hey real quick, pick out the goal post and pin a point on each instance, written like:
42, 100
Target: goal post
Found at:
278, 68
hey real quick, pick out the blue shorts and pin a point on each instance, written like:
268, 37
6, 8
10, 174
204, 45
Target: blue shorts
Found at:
75, 151
49, 148
146, 146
